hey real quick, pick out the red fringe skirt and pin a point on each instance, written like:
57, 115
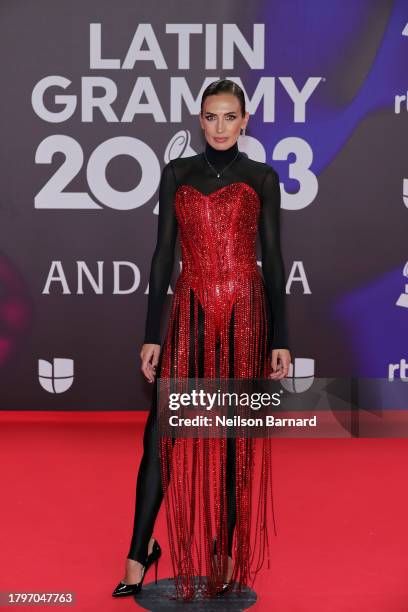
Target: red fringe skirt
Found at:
193, 470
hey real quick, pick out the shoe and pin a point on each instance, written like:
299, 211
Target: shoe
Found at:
123, 589
226, 586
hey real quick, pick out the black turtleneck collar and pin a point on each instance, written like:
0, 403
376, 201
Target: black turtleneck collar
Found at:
220, 158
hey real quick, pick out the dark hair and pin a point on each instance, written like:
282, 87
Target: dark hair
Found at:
224, 86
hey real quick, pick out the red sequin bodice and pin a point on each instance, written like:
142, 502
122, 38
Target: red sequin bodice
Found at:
217, 238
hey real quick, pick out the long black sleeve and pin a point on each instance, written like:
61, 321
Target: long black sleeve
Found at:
272, 262
163, 256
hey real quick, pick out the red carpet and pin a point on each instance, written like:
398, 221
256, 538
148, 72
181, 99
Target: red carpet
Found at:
68, 486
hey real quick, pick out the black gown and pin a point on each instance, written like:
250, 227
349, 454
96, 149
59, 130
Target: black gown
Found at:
183, 181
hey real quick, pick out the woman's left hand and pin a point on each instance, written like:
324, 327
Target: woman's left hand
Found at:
280, 361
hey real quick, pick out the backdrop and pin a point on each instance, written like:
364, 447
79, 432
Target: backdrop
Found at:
97, 97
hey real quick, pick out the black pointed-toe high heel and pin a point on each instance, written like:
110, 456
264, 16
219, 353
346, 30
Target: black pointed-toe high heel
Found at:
226, 586
123, 589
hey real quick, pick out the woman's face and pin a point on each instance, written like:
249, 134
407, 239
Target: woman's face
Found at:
221, 120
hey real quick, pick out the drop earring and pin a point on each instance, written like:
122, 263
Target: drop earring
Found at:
242, 131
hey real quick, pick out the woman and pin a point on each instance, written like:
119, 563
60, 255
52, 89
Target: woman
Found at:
225, 321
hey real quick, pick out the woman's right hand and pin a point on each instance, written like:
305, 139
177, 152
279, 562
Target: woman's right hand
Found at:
150, 358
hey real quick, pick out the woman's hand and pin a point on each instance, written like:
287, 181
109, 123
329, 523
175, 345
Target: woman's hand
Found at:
280, 361
150, 358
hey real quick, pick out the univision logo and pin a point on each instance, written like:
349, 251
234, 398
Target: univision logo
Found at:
300, 375
56, 377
